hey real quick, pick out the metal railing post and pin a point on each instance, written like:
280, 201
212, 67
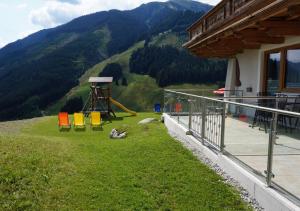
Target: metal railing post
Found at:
203, 119
222, 144
189, 132
164, 108
272, 139
177, 112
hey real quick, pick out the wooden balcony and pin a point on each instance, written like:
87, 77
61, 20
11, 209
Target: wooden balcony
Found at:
235, 25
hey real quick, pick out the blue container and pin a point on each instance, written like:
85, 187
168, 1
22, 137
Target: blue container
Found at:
157, 108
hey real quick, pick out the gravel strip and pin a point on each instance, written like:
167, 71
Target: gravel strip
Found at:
227, 178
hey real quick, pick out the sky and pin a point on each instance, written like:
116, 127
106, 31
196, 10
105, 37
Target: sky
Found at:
19, 18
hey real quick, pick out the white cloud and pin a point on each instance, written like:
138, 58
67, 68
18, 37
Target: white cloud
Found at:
2, 43
56, 12
24, 34
22, 6
70, 1
211, 2
21, 35
2, 5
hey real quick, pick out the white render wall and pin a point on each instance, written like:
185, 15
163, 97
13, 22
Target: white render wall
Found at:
252, 67
249, 68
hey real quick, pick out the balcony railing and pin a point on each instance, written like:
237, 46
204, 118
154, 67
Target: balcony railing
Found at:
219, 15
264, 140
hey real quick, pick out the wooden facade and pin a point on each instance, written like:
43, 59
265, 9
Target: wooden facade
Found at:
235, 25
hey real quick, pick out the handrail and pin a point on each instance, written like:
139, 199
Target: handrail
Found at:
278, 111
205, 120
203, 19
202, 90
220, 13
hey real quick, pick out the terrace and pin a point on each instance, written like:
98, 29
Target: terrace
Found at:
264, 141
256, 123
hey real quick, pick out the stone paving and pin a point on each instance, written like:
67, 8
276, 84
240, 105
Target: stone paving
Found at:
250, 145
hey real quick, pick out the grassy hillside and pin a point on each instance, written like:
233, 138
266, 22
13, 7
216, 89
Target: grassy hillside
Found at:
44, 169
168, 38
147, 94
142, 91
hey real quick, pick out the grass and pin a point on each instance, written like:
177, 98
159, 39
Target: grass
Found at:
44, 169
168, 38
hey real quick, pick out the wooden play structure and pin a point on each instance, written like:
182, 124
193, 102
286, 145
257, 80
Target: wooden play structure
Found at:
100, 98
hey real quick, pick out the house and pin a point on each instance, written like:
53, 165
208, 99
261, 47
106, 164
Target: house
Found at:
260, 39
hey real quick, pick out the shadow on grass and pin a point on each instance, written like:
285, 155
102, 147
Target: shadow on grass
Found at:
64, 130
107, 121
83, 129
116, 118
97, 128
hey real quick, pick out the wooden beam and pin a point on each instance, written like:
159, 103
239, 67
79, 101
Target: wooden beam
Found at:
265, 40
251, 45
211, 55
256, 36
282, 24
294, 10
284, 31
218, 52
230, 44
237, 43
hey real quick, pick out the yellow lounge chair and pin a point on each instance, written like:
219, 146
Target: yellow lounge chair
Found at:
79, 120
95, 119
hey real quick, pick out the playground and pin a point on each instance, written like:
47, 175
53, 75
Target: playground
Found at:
98, 104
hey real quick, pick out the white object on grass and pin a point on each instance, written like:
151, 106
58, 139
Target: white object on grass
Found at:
117, 135
147, 121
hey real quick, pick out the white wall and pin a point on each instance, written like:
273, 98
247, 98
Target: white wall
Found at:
230, 77
252, 67
249, 68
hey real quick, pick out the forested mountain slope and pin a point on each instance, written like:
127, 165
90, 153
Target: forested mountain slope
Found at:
39, 70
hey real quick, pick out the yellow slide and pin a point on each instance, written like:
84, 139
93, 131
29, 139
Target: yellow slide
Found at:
116, 103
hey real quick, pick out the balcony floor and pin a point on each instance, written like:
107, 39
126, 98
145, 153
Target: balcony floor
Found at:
250, 145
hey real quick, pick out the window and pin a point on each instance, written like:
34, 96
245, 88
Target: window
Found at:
282, 70
292, 78
273, 72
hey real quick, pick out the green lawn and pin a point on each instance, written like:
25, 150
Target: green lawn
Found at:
44, 169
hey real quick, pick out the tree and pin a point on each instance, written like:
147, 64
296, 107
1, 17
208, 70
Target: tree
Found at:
124, 82
73, 105
169, 65
112, 70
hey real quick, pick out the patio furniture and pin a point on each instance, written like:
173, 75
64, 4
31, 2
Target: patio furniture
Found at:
262, 117
95, 119
79, 120
294, 107
63, 120
178, 107
281, 103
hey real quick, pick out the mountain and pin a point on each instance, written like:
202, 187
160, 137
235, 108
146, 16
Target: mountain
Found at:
38, 70
189, 5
